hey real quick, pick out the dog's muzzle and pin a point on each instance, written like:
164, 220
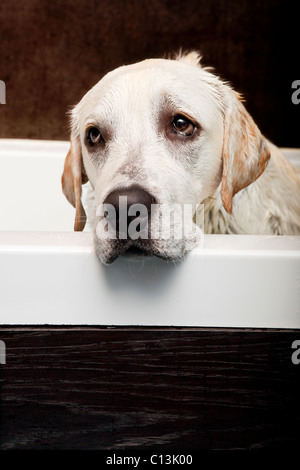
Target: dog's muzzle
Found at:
132, 222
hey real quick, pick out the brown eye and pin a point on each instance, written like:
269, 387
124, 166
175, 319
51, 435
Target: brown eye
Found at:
93, 136
183, 126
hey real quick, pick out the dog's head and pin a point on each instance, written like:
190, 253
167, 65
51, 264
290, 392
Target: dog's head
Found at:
155, 139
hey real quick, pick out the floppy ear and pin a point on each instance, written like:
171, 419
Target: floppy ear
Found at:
72, 178
245, 151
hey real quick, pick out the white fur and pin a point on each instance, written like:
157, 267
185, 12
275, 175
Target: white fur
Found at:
127, 105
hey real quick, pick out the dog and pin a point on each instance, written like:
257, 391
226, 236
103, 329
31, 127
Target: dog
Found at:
170, 133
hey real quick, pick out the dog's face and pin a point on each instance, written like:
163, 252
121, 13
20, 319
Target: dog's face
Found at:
157, 138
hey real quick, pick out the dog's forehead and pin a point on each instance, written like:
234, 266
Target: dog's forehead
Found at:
146, 83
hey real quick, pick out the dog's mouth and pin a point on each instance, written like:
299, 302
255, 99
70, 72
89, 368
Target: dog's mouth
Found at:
136, 252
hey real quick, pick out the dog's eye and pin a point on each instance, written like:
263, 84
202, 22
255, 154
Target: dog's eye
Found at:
183, 126
93, 136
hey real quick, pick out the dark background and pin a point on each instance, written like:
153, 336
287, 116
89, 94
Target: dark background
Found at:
52, 52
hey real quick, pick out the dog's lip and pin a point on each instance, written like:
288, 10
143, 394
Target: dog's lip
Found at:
133, 250
137, 251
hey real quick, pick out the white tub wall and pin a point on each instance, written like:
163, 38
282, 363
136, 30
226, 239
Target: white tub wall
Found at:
30, 191
56, 278
51, 275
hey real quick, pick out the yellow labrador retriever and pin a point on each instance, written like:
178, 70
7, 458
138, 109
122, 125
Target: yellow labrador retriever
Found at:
159, 137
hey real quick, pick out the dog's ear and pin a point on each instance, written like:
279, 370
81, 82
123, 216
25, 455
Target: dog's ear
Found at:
245, 151
72, 178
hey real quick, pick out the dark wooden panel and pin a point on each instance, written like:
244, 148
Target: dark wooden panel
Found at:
120, 388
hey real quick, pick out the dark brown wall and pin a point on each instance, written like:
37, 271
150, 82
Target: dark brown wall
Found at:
52, 52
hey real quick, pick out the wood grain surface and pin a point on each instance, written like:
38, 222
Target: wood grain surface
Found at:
148, 389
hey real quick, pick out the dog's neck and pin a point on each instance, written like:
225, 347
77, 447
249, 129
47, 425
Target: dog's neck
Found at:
216, 219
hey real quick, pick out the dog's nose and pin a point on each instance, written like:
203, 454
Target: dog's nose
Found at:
123, 200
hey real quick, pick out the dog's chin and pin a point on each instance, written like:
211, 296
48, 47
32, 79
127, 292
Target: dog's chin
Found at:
127, 251
135, 252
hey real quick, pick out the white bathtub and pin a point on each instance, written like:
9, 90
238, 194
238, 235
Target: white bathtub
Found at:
51, 275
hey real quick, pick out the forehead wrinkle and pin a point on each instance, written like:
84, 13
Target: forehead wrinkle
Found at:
176, 103
90, 119
101, 115
139, 91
